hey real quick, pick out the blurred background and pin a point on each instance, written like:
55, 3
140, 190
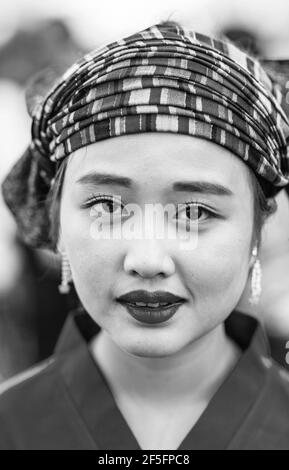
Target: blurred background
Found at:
38, 35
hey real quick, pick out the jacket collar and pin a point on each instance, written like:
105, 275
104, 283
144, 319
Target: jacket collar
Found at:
95, 402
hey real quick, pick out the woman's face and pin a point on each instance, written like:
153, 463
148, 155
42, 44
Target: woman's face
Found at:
210, 275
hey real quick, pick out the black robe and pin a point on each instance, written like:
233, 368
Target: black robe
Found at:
66, 403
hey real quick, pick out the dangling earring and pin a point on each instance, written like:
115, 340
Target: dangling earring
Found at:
256, 279
66, 277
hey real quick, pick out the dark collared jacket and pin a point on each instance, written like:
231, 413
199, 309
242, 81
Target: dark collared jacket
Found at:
66, 403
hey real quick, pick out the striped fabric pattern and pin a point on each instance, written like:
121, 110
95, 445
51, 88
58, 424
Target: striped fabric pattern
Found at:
167, 79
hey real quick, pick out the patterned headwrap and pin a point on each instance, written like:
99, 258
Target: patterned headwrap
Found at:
163, 79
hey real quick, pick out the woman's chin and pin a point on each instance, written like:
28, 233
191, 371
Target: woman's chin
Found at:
149, 348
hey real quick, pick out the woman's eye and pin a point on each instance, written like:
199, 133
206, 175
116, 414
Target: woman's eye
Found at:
193, 212
106, 207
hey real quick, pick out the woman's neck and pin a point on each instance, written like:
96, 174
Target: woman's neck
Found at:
195, 373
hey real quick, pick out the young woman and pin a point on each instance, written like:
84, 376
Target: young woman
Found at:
156, 357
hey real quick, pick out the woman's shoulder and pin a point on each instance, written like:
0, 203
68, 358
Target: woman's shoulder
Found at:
25, 384
37, 408
25, 381
41, 380
278, 383
25, 402
266, 425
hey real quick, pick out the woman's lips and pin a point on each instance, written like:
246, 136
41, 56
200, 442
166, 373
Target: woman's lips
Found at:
152, 315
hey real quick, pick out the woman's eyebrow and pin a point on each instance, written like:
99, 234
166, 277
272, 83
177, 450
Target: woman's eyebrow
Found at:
206, 187
186, 186
105, 178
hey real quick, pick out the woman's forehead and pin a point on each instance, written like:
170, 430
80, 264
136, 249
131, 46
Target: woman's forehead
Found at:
158, 157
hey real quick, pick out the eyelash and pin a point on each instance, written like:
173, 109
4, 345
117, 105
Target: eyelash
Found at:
98, 198
201, 206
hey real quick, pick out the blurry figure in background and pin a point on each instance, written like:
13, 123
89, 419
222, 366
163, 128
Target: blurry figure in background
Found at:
28, 278
244, 39
42, 45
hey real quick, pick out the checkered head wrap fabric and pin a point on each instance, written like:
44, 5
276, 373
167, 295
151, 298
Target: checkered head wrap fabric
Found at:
163, 79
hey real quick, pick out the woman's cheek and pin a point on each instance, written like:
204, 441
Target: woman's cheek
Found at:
219, 266
91, 260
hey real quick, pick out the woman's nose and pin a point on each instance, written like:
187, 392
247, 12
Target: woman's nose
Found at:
147, 258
